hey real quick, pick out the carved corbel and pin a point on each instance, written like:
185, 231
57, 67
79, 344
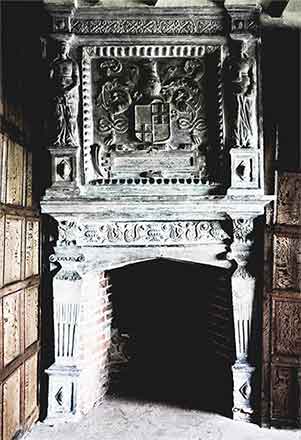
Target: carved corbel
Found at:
243, 297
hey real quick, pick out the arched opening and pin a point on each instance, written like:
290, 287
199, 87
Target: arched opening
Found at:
172, 334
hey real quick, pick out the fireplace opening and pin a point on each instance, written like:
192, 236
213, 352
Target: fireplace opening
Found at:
172, 335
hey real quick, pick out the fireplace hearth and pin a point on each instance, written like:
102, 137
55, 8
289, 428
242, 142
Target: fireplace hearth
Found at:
172, 335
155, 139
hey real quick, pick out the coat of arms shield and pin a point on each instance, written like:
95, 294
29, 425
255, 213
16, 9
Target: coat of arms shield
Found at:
152, 122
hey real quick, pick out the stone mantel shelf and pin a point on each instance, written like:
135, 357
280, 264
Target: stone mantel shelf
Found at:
209, 207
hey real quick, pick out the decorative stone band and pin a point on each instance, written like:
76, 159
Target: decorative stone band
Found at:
148, 26
152, 51
140, 233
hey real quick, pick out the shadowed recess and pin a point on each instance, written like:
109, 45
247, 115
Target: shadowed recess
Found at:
177, 318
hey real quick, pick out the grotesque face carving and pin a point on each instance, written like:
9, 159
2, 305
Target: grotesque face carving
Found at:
152, 86
241, 77
63, 49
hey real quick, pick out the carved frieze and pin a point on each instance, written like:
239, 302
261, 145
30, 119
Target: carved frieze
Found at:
287, 274
145, 112
148, 26
140, 233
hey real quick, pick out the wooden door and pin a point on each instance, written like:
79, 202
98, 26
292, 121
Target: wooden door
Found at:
19, 291
282, 307
19, 219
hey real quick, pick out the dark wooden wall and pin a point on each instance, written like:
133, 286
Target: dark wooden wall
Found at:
21, 101
282, 293
19, 219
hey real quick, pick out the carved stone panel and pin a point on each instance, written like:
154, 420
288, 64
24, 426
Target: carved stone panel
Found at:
240, 83
287, 273
31, 315
154, 25
140, 233
11, 327
11, 405
15, 176
289, 199
284, 390
287, 326
149, 106
13, 249
31, 376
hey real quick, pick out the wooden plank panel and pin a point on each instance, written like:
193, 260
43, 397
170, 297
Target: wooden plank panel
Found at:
28, 183
3, 172
2, 223
11, 405
1, 337
13, 249
31, 315
289, 199
1, 411
284, 392
36, 248
19, 361
287, 262
31, 385
29, 248
19, 285
11, 327
2, 140
287, 326
32, 253
15, 174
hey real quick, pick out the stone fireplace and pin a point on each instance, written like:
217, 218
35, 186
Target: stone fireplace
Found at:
155, 139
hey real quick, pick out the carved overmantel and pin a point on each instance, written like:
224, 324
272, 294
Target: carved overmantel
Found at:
155, 137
